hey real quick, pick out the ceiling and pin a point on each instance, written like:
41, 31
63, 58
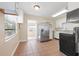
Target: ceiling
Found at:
9, 7
46, 8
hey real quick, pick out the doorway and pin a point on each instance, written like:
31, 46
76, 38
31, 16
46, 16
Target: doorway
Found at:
31, 29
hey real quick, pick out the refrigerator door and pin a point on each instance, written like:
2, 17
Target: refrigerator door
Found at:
44, 35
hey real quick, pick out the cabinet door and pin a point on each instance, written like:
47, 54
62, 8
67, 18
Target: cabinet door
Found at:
57, 34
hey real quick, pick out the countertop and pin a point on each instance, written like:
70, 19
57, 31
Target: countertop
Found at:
65, 31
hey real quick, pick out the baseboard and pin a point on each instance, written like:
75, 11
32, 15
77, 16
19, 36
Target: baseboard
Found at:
46, 40
56, 38
15, 48
23, 40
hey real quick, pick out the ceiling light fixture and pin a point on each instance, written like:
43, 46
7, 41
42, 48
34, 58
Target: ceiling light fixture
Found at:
36, 7
61, 12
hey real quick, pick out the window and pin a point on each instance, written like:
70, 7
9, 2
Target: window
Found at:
10, 25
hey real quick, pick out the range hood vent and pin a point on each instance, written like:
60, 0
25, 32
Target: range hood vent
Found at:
73, 16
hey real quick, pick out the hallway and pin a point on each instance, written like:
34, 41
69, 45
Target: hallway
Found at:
36, 48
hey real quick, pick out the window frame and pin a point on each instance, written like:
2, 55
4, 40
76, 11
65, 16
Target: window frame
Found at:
7, 38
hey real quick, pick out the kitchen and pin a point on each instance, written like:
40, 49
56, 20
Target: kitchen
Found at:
67, 30
62, 28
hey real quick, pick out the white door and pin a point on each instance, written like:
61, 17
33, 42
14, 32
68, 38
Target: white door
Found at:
32, 29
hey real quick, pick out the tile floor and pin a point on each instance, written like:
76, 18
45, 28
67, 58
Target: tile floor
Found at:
37, 48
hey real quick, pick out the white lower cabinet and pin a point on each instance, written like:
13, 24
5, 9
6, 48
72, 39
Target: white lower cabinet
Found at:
56, 34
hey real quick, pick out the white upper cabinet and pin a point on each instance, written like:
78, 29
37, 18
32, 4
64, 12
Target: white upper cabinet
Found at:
73, 5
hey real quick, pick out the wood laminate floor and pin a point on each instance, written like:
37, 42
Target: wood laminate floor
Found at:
37, 48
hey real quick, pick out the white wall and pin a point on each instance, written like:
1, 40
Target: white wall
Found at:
1, 27
38, 19
23, 29
62, 26
59, 24
59, 21
7, 47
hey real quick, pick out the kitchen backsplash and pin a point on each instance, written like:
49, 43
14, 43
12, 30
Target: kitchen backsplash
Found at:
69, 26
